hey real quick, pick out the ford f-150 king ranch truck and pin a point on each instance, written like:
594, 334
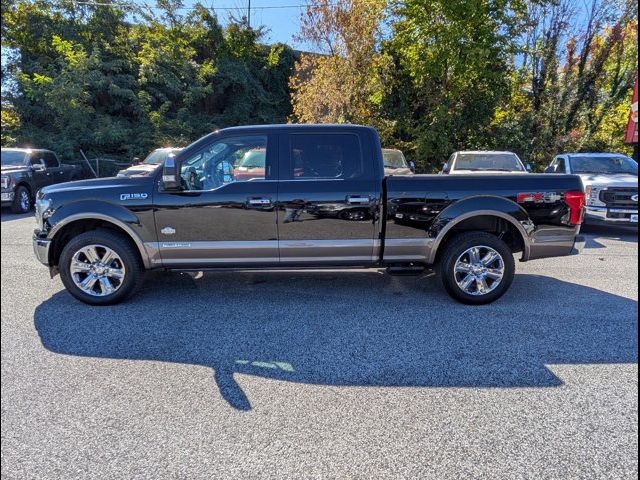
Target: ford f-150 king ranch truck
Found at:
25, 171
193, 214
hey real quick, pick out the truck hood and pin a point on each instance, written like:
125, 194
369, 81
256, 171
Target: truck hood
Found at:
617, 180
486, 172
13, 168
114, 183
143, 170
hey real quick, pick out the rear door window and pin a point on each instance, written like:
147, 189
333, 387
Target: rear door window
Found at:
325, 156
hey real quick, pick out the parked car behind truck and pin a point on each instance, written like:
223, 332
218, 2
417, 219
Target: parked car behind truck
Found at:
25, 171
191, 213
484, 162
610, 181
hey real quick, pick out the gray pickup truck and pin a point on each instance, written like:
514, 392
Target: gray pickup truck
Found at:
25, 171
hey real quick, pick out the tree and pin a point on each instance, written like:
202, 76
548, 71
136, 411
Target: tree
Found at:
344, 82
451, 70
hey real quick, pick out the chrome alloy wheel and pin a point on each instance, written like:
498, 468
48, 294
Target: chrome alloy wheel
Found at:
479, 270
25, 201
97, 270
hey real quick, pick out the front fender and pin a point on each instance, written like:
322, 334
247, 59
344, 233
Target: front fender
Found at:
481, 205
99, 210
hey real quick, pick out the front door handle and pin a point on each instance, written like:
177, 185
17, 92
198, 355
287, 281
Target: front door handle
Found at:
358, 199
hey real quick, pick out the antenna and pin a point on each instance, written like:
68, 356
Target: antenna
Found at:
249, 14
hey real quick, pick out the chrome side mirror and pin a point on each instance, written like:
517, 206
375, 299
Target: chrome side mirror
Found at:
529, 167
445, 168
412, 167
38, 167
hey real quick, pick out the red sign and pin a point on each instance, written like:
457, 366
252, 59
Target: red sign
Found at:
632, 126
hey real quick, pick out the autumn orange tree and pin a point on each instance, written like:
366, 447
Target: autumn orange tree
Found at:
343, 82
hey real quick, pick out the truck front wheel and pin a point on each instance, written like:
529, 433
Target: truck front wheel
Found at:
476, 268
100, 267
21, 200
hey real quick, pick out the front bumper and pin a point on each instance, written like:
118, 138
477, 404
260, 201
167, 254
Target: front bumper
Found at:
41, 247
7, 197
611, 215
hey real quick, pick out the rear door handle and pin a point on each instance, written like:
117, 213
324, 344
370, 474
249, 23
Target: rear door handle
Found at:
358, 199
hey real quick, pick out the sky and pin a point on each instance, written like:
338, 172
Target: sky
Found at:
280, 17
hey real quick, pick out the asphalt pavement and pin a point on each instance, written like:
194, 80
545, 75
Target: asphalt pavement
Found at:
339, 374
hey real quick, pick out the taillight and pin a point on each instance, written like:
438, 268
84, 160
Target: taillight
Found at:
576, 202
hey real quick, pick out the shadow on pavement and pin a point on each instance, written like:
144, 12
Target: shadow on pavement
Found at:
595, 232
8, 216
349, 328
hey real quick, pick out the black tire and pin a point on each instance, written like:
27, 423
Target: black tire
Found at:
19, 205
122, 246
460, 244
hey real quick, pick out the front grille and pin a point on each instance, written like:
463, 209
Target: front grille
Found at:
619, 197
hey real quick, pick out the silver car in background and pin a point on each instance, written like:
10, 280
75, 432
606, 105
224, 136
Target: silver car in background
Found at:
480, 161
395, 163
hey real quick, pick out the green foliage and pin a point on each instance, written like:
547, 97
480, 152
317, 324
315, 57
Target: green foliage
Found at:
87, 78
434, 76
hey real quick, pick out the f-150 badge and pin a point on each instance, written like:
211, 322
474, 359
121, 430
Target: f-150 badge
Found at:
133, 196
168, 230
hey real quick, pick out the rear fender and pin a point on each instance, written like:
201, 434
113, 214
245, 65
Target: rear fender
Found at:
481, 205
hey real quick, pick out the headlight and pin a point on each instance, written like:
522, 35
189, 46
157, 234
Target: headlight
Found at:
42, 210
592, 193
6, 181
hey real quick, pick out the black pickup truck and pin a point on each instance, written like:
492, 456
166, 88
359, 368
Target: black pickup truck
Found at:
319, 199
25, 171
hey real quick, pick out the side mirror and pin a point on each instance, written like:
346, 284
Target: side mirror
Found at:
529, 167
412, 167
550, 169
135, 160
445, 168
38, 167
171, 174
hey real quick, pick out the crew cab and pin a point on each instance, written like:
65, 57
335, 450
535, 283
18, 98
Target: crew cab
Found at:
484, 162
25, 171
611, 185
193, 213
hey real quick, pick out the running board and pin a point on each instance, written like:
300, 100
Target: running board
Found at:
406, 270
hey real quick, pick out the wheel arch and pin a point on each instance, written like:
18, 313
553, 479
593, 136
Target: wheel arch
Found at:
64, 230
487, 213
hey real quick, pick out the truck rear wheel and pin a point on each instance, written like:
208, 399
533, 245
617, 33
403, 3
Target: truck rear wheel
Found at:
476, 268
100, 267
21, 200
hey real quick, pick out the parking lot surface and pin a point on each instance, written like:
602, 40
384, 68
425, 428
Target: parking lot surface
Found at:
334, 374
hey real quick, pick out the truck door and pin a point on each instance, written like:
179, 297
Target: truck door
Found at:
41, 175
57, 173
328, 198
222, 218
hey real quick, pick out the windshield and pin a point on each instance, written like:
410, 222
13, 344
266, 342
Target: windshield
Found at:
253, 159
501, 162
394, 159
157, 156
612, 165
12, 157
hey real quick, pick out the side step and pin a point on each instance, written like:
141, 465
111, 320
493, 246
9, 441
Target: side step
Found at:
406, 270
